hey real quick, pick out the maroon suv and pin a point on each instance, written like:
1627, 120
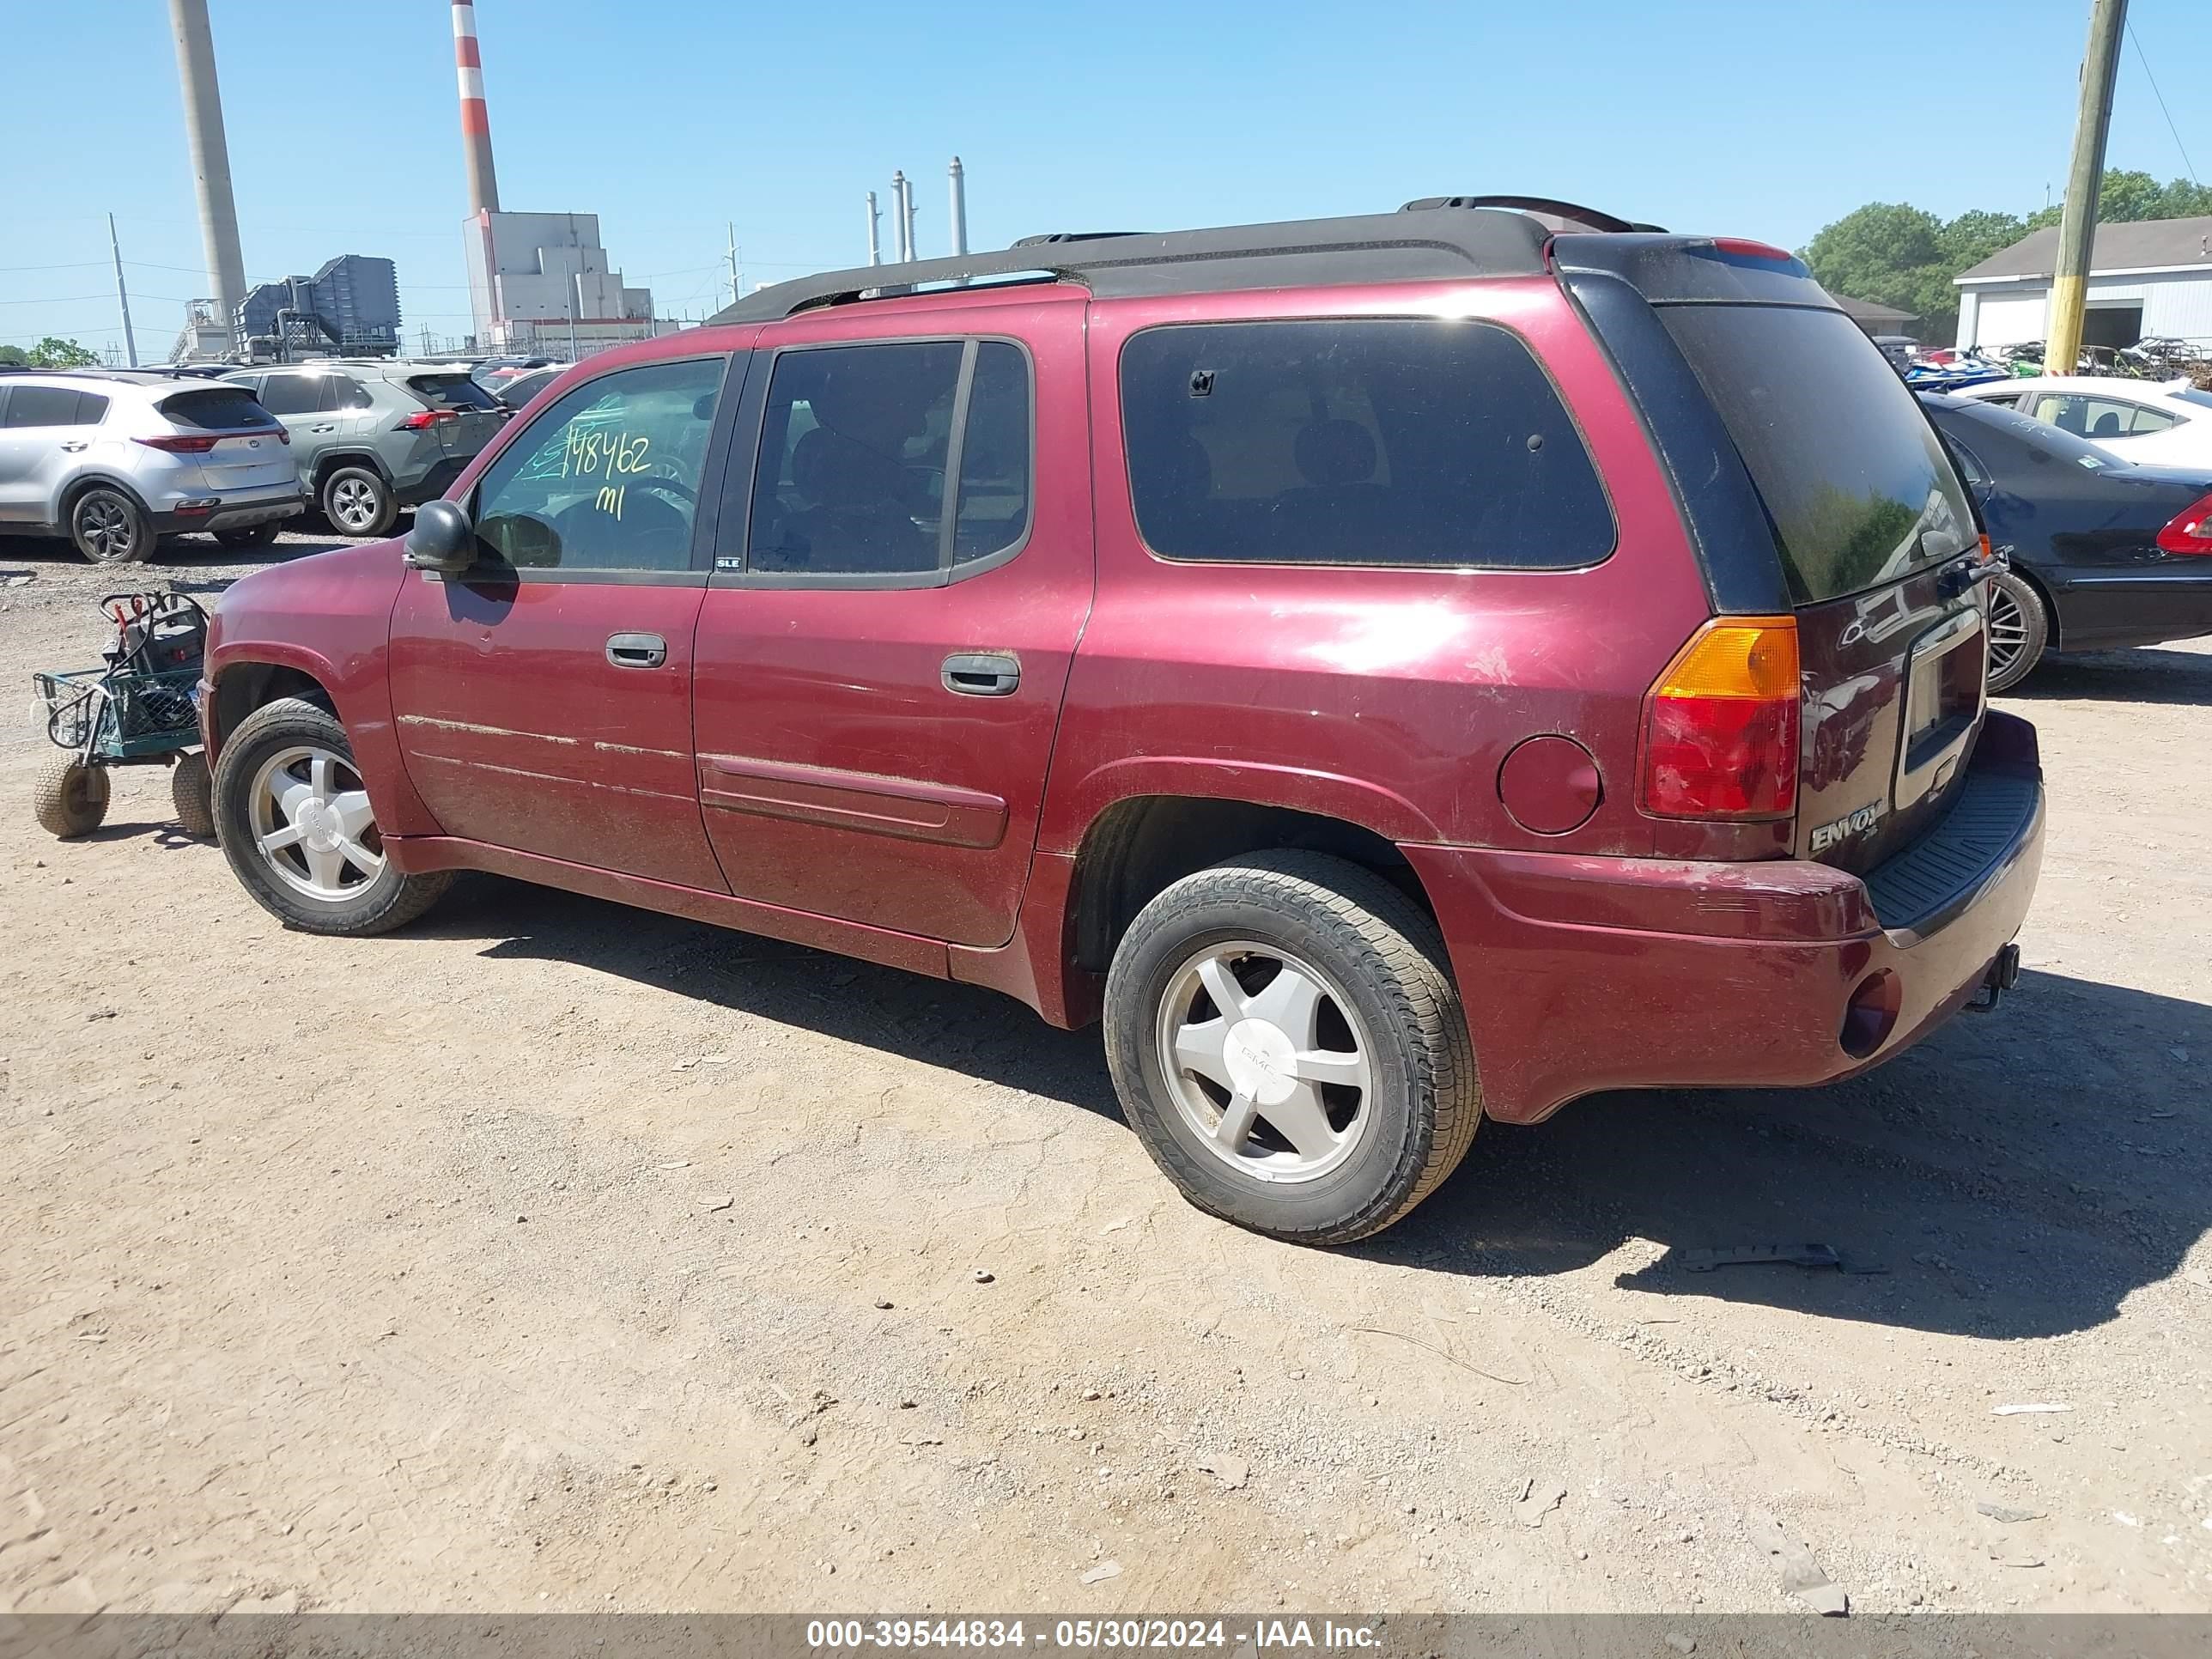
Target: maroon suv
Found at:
1392, 669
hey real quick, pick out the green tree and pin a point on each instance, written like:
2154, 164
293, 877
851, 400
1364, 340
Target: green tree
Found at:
14, 357
56, 353
1892, 253
2128, 196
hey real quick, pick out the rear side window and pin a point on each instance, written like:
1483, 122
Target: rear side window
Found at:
451, 391
859, 444
2094, 417
217, 409
1858, 488
54, 405
291, 394
1355, 441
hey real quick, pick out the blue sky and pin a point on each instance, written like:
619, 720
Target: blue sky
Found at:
668, 117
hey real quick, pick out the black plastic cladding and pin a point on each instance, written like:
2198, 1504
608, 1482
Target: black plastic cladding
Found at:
1374, 247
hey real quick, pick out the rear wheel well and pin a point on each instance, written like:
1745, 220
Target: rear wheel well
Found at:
78, 488
247, 686
1137, 848
365, 459
2057, 642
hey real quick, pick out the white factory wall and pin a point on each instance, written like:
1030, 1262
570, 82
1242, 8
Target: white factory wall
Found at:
529, 270
2176, 305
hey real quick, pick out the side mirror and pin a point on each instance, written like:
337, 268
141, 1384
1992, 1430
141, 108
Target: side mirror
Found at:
442, 539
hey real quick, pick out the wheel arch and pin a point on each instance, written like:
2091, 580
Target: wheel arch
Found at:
1141, 845
331, 459
73, 490
242, 685
2053, 622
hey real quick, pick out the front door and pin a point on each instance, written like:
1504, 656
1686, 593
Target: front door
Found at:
896, 602
44, 433
543, 699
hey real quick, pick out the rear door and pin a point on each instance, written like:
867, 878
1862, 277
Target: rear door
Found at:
306, 405
1879, 546
904, 570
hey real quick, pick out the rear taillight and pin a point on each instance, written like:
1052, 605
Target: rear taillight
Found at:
195, 446
2190, 530
1720, 726
423, 419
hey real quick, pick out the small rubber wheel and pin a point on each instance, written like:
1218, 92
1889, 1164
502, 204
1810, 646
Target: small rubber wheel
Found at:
1286, 1041
192, 792
2020, 629
69, 797
358, 502
253, 535
296, 821
107, 527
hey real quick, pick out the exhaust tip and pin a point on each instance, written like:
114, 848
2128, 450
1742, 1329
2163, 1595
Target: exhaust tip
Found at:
1871, 1014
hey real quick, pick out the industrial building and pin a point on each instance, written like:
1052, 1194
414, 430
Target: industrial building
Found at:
2149, 280
350, 305
539, 282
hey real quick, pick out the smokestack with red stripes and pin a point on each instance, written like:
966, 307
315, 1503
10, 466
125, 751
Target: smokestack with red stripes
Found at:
476, 120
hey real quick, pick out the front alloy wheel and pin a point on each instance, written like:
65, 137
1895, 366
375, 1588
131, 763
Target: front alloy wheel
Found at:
312, 823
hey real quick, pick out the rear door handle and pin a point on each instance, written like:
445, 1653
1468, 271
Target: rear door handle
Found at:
636, 650
317, 430
982, 674
75, 445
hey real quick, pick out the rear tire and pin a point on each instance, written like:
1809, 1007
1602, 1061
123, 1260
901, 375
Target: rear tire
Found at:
2020, 629
257, 535
1370, 1021
287, 777
358, 502
69, 798
107, 527
192, 792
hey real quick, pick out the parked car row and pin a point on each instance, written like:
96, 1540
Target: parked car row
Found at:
115, 459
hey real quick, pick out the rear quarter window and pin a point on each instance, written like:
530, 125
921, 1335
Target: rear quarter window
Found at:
1858, 488
451, 391
1355, 441
218, 408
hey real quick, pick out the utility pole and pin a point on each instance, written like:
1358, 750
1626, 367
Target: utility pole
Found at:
875, 231
575, 305
123, 294
737, 276
2077, 217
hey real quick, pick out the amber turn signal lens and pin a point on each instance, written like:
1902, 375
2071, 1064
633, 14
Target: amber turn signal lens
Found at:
1754, 657
1721, 724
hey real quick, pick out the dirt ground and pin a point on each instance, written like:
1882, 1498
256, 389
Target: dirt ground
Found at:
551, 1255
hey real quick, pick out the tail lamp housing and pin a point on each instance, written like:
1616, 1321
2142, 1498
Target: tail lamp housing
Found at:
1721, 724
2190, 530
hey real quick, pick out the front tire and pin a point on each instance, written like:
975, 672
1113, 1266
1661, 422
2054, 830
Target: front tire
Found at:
107, 527
69, 798
1287, 1044
294, 816
358, 502
2020, 629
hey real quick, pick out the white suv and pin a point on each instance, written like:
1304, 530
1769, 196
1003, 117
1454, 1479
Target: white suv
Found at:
115, 460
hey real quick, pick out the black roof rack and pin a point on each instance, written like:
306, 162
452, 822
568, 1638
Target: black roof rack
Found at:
1571, 215
1376, 247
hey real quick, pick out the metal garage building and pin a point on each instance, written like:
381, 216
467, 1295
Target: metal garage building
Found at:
2149, 280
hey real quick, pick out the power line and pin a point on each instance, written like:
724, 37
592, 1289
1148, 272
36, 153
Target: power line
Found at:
2143, 58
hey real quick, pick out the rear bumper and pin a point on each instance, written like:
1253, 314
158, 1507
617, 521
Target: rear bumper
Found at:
1585, 974
233, 511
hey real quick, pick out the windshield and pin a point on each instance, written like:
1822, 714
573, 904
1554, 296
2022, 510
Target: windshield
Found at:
1856, 484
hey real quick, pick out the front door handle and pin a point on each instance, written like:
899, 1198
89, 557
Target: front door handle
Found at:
636, 650
982, 674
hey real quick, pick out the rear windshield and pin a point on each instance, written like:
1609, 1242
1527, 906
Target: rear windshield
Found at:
1858, 488
451, 391
217, 409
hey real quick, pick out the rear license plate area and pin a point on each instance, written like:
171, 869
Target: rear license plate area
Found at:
1946, 678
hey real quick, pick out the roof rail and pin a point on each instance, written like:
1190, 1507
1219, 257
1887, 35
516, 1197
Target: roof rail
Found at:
1574, 217
1374, 247
1053, 236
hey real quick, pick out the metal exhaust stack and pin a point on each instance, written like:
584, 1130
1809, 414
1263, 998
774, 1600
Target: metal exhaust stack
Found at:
875, 237
188, 19
959, 206
476, 116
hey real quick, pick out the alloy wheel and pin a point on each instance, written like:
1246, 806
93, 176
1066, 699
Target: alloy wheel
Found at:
311, 824
106, 525
354, 504
2007, 631
1267, 1060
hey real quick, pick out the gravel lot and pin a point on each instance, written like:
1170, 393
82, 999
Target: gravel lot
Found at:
557, 1255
